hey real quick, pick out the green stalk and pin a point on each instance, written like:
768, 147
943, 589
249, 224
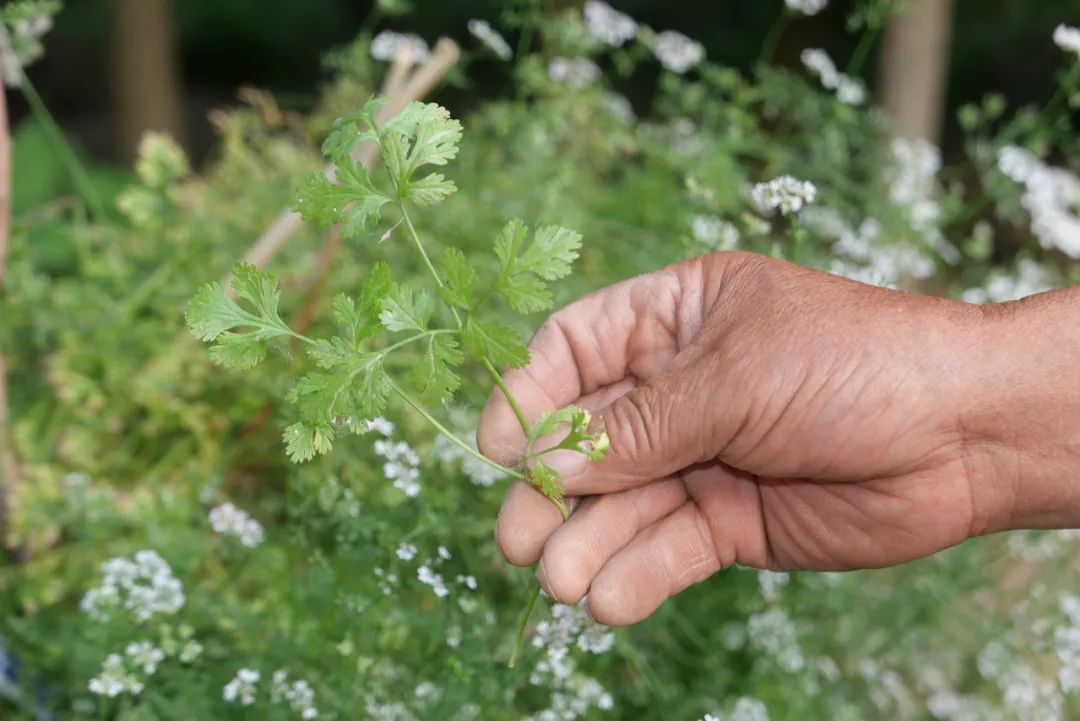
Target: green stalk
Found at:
519, 636
862, 50
63, 147
450, 436
772, 39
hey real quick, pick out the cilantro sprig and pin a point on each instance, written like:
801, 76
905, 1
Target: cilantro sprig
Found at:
454, 320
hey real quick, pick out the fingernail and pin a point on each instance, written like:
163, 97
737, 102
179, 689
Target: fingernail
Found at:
566, 463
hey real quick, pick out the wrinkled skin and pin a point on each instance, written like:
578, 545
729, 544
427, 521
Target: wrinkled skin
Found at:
780, 417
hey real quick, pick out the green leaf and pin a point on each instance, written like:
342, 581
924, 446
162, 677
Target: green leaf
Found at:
548, 482
551, 253
434, 135
213, 316
355, 390
210, 313
525, 265
429, 190
351, 129
331, 353
433, 376
359, 318
526, 294
303, 441
575, 420
498, 343
237, 350
459, 277
406, 309
352, 201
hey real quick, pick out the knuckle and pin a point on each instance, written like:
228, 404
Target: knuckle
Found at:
632, 427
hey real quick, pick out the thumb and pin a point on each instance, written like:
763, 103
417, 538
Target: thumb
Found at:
654, 430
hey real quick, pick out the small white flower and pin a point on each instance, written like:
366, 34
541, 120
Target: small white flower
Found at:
406, 551
806, 7
608, 25
145, 655
749, 709
849, 91
489, 36
143, 585
1051, 197
386, 44
381, 426
714, 233
468, 581
676, 52
228, 520
444, 553
114, 679
574, 72
786, 194
242, 688
429, 578
1067, 38
21, 46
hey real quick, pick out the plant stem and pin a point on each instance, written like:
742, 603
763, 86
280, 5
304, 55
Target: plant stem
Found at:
772, 39
451, 436
63, 147
862, 50
523, 621
796, 237
495, 376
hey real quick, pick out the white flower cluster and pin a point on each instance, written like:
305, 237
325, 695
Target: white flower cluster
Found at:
714, 233
385, 46
1067, 38
1051, 197
772, 583
676, 52
427, 576
1067, 645
572, 693
115, 679
21, 45
480, 473
849, 91
786, 194
912, 180
242, 688
298, 694
400, 465
774, 635
144, 585
861, 257
608, 25
228, 520
576, 73
806, 7
491, 38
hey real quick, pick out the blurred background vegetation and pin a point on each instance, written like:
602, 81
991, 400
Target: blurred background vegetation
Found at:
116, 68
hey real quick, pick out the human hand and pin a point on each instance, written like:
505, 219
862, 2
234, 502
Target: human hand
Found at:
779, 417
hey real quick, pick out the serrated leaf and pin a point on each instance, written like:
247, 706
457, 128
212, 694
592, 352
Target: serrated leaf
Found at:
352, 201
433, 376
406, 309
551, 253
551, 421
575, 420
459, 277
526, 294
211, 312
346, 314
507, 245
212, 315
331, 353
237, 350
351, 129
429, 190
549, 483
303, 441
498, 343
431, 136
356, 390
